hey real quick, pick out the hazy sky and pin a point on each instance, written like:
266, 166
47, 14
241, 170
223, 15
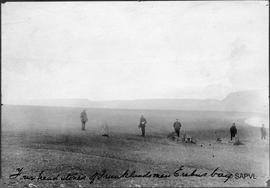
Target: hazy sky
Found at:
133, 50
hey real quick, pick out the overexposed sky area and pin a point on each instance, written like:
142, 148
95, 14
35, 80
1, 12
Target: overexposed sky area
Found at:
133, 50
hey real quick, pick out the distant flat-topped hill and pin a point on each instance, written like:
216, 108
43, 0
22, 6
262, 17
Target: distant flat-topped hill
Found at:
246, 101
243, 101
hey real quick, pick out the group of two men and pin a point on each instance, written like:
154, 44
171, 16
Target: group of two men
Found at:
177, 125
233, 131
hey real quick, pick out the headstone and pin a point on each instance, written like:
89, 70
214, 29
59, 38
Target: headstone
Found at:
105, 129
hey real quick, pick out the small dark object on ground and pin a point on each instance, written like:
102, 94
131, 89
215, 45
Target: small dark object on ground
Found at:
237, 142
172, 136
105, 135
219, 140
188, 139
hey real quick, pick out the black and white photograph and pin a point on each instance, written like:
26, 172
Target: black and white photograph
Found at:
134, 94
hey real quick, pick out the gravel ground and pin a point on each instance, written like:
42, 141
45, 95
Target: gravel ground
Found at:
63, 149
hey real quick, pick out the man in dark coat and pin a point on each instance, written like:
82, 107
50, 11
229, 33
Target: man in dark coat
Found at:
84, 119
233, 131
177, 125
263, 132
142, 125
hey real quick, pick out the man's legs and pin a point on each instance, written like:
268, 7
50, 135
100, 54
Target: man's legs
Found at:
83, 125
233, 136
177, 132
143, 131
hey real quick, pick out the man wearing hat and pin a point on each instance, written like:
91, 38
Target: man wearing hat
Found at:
233, 131
84, 119
142, 125
177, 125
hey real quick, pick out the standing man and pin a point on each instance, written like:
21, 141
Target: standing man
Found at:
177, 126
233, 130
84, 119
142, 125
263, 132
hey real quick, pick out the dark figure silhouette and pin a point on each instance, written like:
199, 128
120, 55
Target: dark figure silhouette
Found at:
177, 125
84, 119
263, 132
233, 131
142, 125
